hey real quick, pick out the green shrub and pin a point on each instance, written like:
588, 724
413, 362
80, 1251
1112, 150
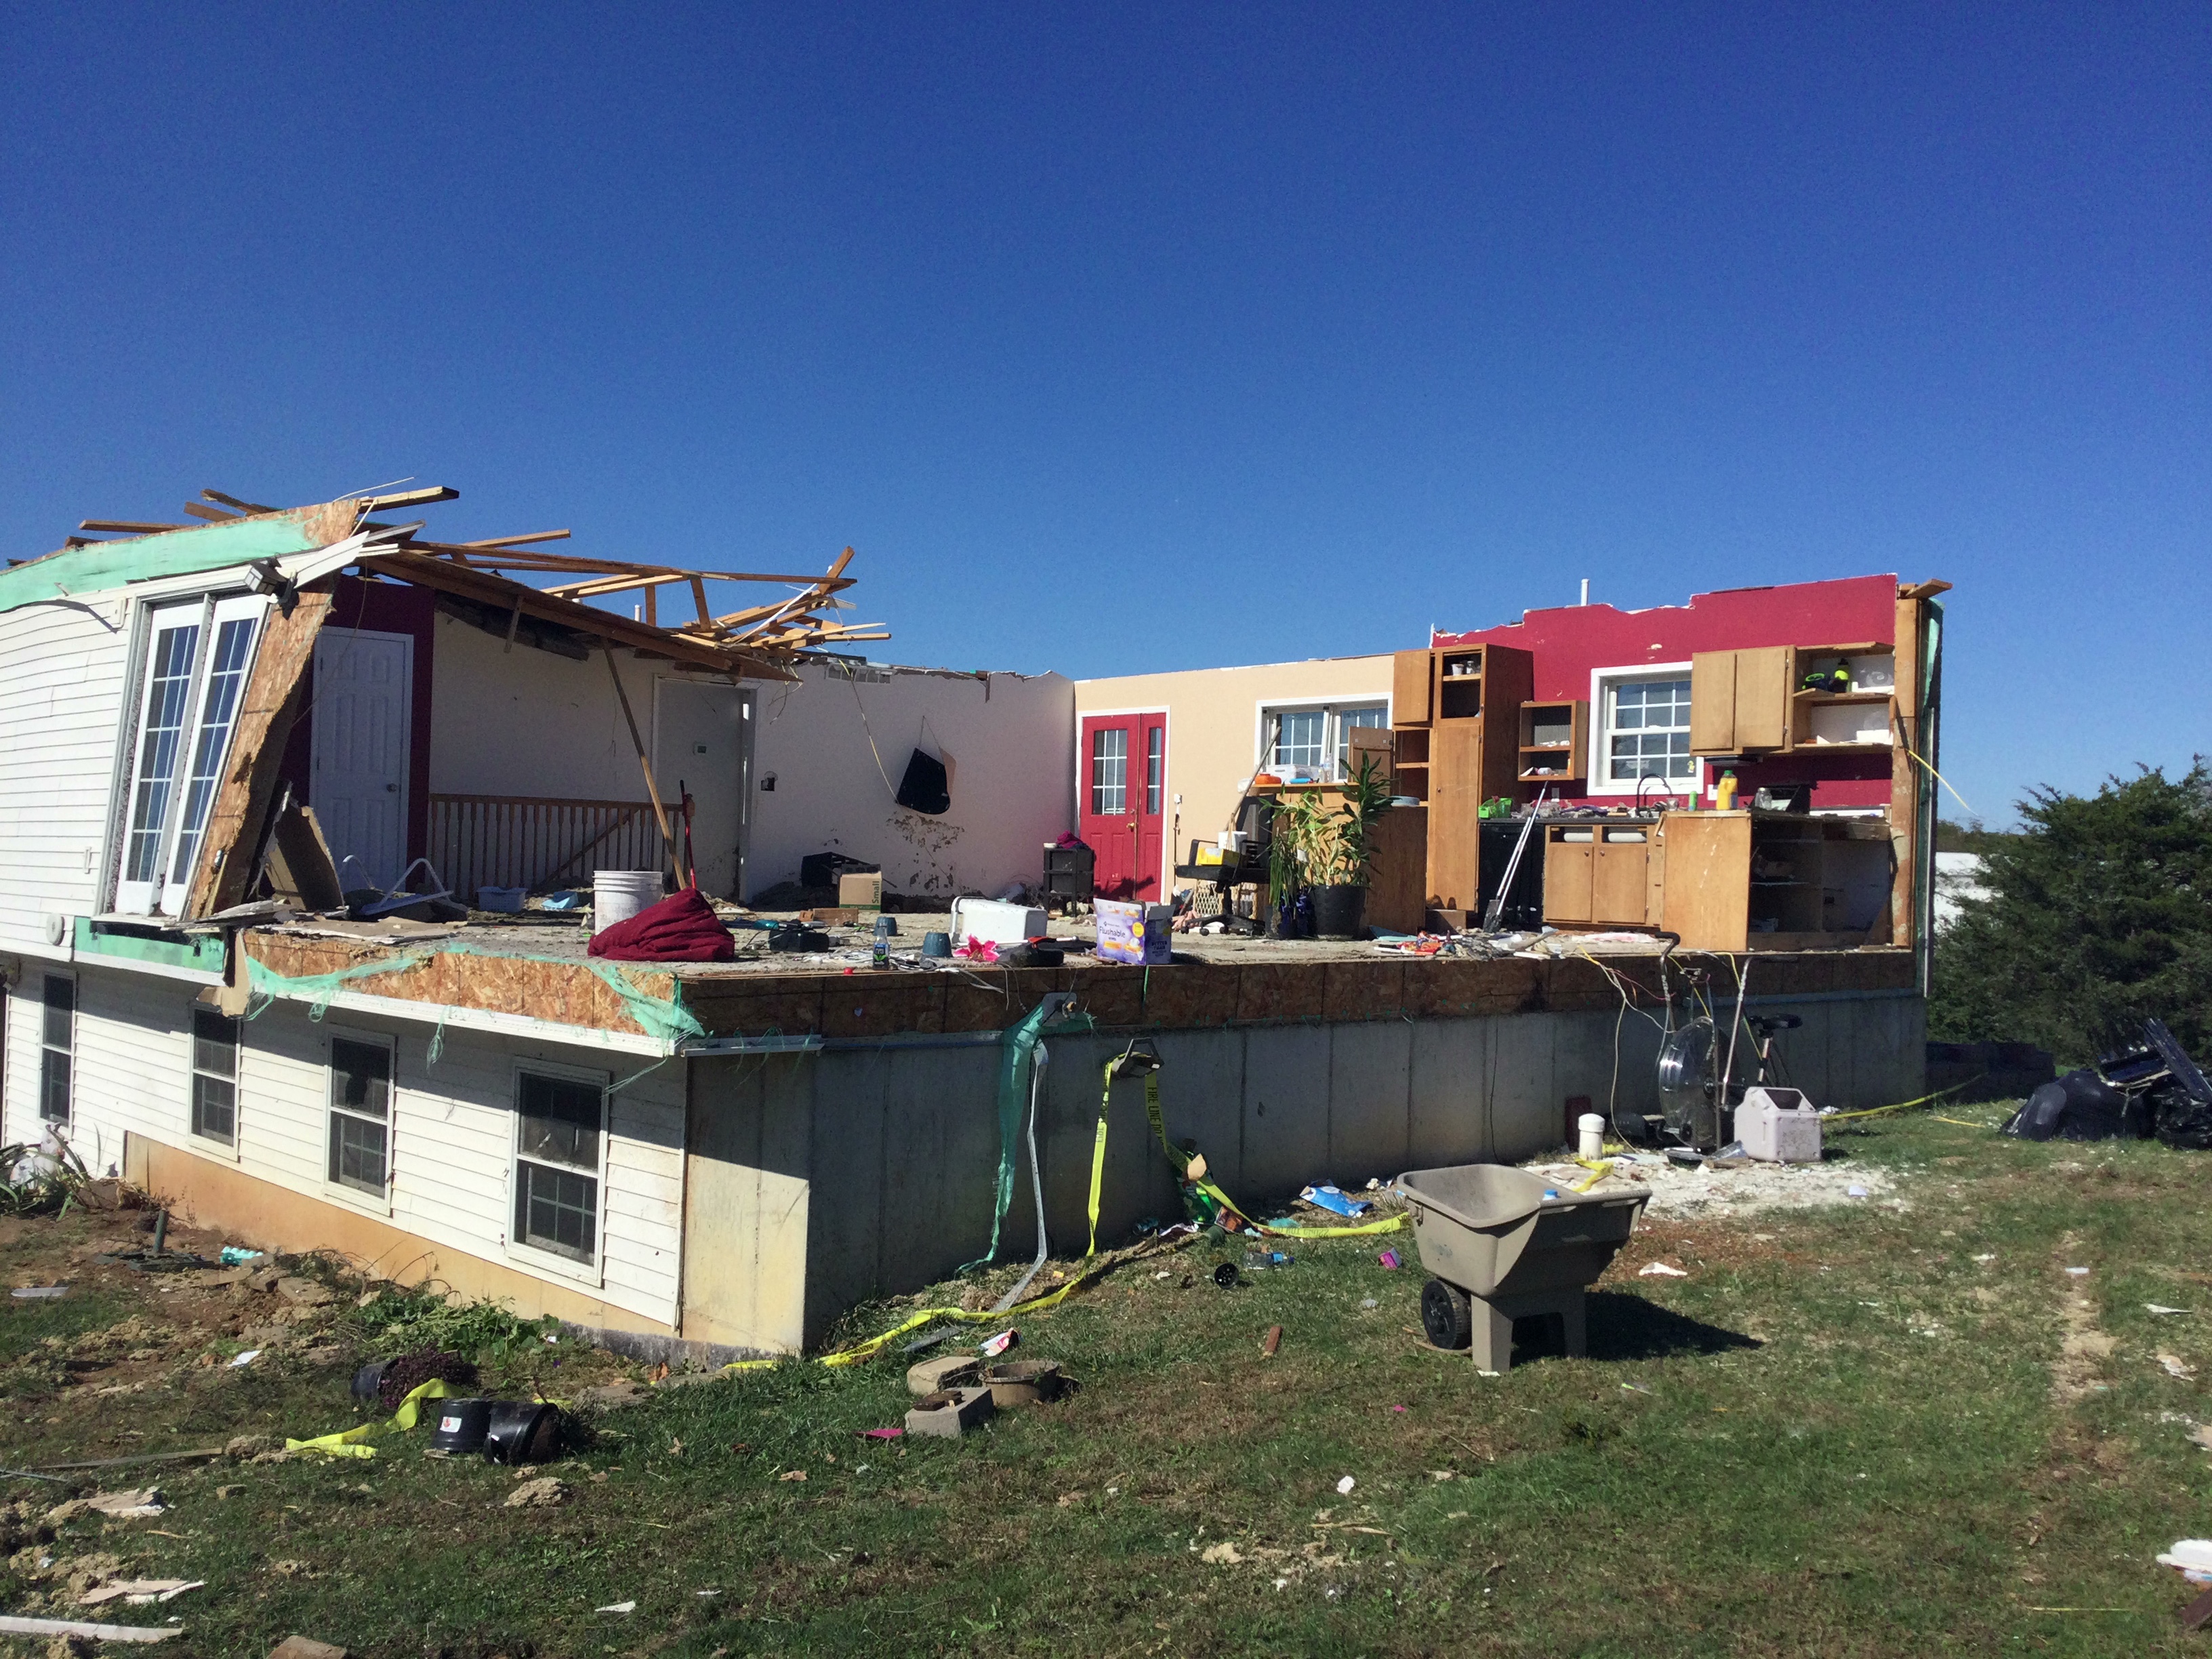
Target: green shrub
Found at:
2098, 915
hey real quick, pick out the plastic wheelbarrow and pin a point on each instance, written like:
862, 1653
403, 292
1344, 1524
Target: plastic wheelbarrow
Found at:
1499, 1250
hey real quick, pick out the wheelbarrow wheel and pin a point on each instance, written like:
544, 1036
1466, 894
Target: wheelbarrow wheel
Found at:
1447, 1314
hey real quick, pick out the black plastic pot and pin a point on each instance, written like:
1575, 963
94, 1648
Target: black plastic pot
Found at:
461, 1427
1340, 912
522, 1432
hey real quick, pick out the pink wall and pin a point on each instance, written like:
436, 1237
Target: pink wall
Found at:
1571, 643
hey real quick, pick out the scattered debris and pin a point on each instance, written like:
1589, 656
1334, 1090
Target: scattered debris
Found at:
2077, 1272
39, 1293
65, 1628
245, 1359
618, 1606
139, 1591
2159, 1308
1388, 1259
132, 1506
1327, 1196
950, 1412
2191, 1557
545, 1492
991, 1346
946, 1371
305, 1647
1659, 1270
1223, 1554
1344, 1486
1271, 1342
2176, 1366
793, 1474
878, 1434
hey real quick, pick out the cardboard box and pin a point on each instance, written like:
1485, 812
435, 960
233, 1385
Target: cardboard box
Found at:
862, 891
1138, 934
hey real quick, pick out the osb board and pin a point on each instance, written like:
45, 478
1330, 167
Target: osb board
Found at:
565, 992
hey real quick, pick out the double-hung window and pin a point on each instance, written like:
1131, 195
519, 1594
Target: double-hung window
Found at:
1315, 744
57, 1049
198, 655
1646, 731
361, 1114
215, 1075
559, 1136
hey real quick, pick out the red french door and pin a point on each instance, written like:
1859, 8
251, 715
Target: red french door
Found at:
1122, 787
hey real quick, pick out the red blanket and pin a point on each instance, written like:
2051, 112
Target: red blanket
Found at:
682, 927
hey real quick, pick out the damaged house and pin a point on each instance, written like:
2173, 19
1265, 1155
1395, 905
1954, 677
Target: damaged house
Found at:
191, 707
217, 731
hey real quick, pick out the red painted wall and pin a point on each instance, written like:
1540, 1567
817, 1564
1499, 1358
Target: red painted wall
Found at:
1571, 642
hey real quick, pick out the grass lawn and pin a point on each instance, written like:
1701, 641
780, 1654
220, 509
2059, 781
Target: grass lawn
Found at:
1841, 1433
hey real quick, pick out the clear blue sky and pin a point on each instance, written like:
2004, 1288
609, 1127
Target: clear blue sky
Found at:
1120, 339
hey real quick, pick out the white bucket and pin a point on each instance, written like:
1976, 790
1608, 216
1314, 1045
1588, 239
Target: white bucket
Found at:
1589, 1130
618, 895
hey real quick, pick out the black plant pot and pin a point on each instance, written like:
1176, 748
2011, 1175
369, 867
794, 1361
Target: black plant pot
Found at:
1340, 912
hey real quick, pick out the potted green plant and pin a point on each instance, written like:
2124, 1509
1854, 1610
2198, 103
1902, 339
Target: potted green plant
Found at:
1333, 850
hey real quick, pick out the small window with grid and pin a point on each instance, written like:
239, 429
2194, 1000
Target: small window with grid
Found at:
1647, 730
1109, 770
57, 1049
361, 1114
215, 1075
556, 1172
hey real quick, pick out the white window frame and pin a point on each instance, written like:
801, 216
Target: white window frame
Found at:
46, 1047
1602, 681
199, 1139
1333, 727
382, 1202
591, 1271
165, 891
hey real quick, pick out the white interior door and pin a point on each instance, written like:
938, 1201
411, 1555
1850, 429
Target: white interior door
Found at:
702, 742
364, 695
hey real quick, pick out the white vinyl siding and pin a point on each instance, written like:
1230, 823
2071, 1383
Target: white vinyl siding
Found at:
62, 674
453, 1132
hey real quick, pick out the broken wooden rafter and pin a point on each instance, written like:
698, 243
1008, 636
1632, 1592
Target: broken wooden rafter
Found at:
247, 507
212, 514
517, 541
502, 594
409, 498
129, 526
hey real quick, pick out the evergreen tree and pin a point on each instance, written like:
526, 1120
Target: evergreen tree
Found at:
2098, 915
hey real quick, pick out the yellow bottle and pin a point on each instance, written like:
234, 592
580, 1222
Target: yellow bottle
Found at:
1725, 793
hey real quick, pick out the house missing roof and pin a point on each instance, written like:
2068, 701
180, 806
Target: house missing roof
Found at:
247, 756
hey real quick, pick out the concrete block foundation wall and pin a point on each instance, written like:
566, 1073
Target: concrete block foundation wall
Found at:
886, 1154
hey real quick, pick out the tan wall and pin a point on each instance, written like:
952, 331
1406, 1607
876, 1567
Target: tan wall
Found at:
1213, 728
266, 1217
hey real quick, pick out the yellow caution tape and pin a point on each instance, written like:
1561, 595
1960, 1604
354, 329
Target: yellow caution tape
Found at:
353, 1442
1599, 1170
1902, 1105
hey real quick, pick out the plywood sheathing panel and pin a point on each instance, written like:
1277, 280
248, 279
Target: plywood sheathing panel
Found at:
265, 714
566, 992
1363, 990
882, 1005
1203, 994
784, 1005
1273, 992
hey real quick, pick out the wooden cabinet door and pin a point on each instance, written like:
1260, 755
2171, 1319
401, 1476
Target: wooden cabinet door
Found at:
1619, 883
1762, 698
1713, 702
1707, 898
1410, 672
1455, 814
1567, 881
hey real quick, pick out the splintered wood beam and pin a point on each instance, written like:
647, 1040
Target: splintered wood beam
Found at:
225, 867
212, 514
843, 559
232, 501
497, 594
410, 498
517, 541
616, 583
129, 526
699, 595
